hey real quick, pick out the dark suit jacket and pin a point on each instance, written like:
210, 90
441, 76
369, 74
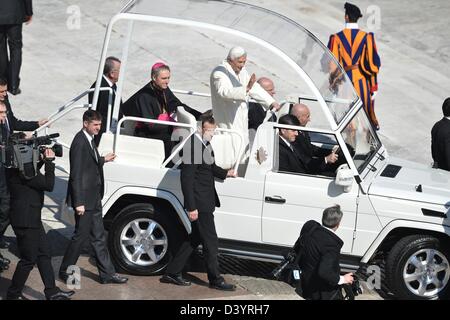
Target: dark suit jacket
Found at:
197, 179
320, 263
290, 161
86, 182
15, 11
19, 125
312, 155
440, 143
256, 115
102, 106
145, 104
27, 196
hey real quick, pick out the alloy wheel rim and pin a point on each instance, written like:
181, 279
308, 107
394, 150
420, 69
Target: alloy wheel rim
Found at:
426, 273
144, 242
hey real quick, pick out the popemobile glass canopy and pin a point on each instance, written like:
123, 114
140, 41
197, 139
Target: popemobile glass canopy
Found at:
286, 40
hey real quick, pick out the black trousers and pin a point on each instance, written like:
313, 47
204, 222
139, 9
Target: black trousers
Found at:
33, 249
4, 202
90, 227
11, 36
204, 232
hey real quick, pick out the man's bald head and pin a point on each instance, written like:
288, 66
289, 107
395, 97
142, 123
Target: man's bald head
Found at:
267, 85
302, 113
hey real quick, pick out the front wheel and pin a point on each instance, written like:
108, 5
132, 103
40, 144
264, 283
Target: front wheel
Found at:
141, 239
418, 268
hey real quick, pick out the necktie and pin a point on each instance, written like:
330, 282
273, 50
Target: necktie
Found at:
5, 132
94, 148
114, 87
7, 126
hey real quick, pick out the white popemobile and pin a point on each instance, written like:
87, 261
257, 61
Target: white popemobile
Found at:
395, 211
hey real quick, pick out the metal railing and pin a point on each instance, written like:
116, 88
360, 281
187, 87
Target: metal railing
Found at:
192, 130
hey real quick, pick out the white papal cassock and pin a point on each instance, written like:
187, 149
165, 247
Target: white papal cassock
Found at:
229, 99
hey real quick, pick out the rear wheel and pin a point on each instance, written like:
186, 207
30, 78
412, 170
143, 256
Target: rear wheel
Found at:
141, 239
418, 268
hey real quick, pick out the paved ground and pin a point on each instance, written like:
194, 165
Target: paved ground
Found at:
251, 278
60, 62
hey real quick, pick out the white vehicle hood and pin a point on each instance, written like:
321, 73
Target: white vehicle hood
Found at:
435, 183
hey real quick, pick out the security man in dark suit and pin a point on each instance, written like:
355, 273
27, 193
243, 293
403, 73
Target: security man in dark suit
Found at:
9, 124
317, 160
256, 112
440, 139
289, 159
84, 194
200, 199
321, 277
110, 77
27, 200
13, 14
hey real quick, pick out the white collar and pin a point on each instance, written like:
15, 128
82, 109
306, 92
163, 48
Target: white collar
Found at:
107, 80
201, 138
448, 118
329, 229
351, 25
88, 136
285, 141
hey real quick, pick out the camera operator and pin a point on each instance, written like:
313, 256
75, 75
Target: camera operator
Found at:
4, 195
27, 200
9, 123
321, 279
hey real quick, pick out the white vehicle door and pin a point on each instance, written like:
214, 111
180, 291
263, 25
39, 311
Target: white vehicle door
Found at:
291, 199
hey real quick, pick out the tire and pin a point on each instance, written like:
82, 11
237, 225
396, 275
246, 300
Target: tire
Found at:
418, 268
148, 254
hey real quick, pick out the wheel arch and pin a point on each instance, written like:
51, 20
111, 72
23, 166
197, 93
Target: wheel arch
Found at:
164, 201
398, 229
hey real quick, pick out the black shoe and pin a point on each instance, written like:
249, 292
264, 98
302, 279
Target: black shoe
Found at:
19, 297
15, 91
61, 295
222, 285
115, 278
174, 279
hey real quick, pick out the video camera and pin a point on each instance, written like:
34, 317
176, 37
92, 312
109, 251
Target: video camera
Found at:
354, 289
24, 154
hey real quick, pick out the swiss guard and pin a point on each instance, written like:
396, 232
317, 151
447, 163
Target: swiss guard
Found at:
357, 53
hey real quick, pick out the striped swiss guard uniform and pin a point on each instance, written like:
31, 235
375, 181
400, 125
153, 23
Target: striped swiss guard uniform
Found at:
357, 53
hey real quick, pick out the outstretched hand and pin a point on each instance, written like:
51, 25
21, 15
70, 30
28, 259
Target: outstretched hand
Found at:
251, 82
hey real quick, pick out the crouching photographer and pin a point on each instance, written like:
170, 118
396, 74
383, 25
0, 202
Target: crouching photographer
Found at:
320, 278
26, 202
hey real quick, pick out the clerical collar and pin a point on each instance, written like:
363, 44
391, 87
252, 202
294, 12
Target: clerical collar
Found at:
351, 25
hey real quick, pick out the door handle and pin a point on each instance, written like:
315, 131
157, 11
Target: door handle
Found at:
275, 199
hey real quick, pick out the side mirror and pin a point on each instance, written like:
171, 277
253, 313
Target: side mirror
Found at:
344, 177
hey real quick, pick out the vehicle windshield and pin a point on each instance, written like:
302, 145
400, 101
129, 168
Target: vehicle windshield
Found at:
360, 139
296, 42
